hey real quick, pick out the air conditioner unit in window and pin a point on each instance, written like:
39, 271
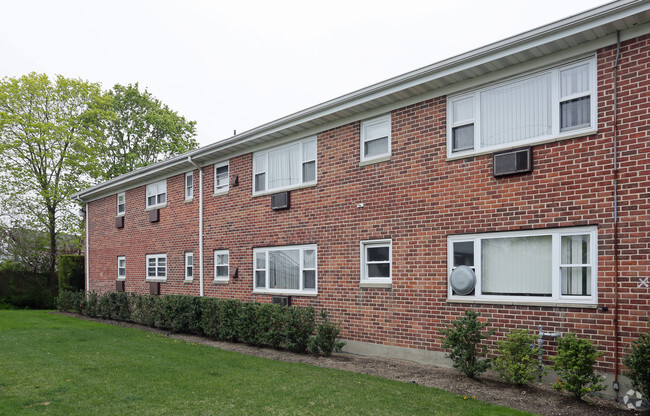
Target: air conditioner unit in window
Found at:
281, 300
512, 162
280, 201
154, 288
119, 286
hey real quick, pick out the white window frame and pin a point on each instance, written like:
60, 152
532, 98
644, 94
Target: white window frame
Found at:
189, 263
375, 281
226, 278
122, 195
156, 189
189, 188
555, 99
223, 188
301, 290
263, 154
121, 259
159, 277
366, 138
556, 283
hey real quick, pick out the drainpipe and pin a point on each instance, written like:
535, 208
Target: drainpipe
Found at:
189, 159
615, 385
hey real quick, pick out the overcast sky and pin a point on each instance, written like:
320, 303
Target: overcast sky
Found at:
239, 64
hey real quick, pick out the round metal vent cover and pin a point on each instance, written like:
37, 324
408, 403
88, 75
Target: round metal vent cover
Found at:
462, 280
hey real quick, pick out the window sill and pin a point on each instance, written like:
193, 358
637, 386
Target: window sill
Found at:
155, 280
292, 188
120, 215
188, 200
556, 304
220, 281
151, 208
376, 285
374, 160
280, 293
221, 192
121, 279
522, 143
188, 281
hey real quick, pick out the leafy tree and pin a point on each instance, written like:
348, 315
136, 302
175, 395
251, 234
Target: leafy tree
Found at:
47, 152
141, 131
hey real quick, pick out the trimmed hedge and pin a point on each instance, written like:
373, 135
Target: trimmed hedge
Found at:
260, 324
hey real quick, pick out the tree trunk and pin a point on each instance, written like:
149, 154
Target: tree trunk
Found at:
53, 279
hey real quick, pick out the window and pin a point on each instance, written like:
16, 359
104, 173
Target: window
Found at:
157, 194
121, 203
285, 167
189, 266
221, 265
376, 262
557, 102
375, 138
189, 186
121, 268
221, 177
289, 269
156, 267
557, 265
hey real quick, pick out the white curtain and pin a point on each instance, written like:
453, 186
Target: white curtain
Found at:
518, 266
284, 166
576, 270
516, 111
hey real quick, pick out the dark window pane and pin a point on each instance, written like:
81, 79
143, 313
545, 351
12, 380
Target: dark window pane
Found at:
379, 270
378, 254
464, 254
259, 182
222, 271
260, 279
309, 171
462, 137
575, 113
309, 279
376, 147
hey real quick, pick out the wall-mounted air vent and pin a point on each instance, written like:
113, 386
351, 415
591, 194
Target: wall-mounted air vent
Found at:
513, 161
119, 286
281, 300
154, 288
280, 201
119, 222
462, 280
154, 215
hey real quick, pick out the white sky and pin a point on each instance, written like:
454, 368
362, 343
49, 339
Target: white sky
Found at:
239, 64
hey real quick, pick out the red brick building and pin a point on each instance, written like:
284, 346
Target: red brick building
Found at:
513, 179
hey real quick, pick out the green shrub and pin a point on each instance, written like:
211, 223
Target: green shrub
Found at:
247, 327
324, 341
230, 310
90, 307
463, 339
300, 326
144, 309
179, 313
518, 355
638, 366
70, 270
71, 301
270, 323
574, 364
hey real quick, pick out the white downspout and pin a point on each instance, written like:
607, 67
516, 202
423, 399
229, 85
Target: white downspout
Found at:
87, 259
189, 159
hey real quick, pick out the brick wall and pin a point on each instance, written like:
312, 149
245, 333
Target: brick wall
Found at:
417, 199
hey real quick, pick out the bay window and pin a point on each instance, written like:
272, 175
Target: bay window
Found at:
285, 167
287, 269
552, 103
550, 265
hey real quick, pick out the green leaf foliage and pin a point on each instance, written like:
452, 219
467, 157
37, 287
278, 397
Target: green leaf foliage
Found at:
574, 364
518, 357
140, 131
637, 362
463, 340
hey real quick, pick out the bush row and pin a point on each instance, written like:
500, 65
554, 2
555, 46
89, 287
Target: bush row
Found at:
295, 328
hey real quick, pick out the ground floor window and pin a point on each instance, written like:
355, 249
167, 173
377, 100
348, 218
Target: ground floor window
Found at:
156, 267
189, 265
548, 265
288, 269
121, 268
376, 262
221, 265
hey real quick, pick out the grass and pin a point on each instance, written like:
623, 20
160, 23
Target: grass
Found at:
58, 365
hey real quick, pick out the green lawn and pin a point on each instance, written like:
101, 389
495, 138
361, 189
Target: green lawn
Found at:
51, 364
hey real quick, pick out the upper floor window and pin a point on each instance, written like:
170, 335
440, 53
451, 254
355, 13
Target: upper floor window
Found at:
221, 177
288, 269
554, 103
156, 267
121, 203
375, 138
550, 265
189, 185
157, 194
285, 167
121, 268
